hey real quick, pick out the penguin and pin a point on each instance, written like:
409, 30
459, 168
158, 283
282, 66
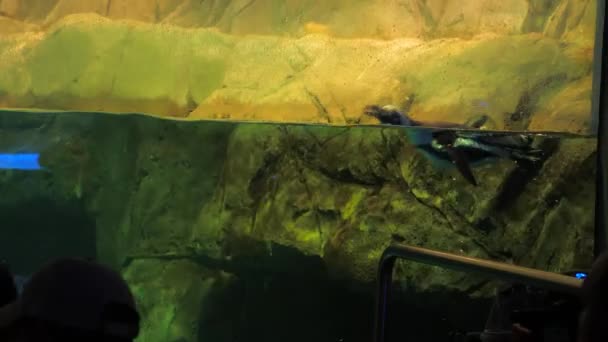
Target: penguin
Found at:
444, 142
390, 115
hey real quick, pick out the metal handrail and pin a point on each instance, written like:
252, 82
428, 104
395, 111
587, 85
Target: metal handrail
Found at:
600, 115
497, 270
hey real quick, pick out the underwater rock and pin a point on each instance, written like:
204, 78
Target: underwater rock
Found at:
176, 170
218, 192
175, 297
134, 174
211, 221
547, 213
344, 194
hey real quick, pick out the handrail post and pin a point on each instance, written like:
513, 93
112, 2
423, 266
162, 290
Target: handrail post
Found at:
385, 279
600, 115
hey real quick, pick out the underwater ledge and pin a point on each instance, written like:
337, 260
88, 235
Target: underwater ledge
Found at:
89, 63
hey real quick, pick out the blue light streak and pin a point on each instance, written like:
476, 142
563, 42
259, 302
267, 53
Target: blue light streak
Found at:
20, 161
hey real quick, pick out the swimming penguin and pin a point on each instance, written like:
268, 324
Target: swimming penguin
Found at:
392, 115
443, 143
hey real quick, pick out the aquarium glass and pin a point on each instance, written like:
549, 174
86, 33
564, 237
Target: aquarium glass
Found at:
244, 163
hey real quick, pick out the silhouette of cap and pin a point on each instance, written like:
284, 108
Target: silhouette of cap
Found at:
76, 294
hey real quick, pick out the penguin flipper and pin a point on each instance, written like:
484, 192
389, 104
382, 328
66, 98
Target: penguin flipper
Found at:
531, 155
462, 164
477, 122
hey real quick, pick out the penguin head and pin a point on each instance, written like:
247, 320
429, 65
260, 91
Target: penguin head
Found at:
388, 115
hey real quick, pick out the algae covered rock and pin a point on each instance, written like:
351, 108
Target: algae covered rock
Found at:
159, 187
377, 188
175, 297
195, 214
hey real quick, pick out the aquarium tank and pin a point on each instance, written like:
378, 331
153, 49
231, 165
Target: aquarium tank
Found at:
244, 163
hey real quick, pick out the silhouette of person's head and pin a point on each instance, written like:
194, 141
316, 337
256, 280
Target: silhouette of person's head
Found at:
71, 300
8, 290
594, 319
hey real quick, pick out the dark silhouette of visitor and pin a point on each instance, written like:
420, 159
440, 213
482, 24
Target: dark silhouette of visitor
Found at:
8, 290
593, 322
71, 300
593, 325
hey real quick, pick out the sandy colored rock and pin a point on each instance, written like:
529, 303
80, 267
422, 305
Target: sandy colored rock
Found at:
28, 10
141, 10
574, 19
65, 8
87, 62
382, 19
570, 107
10, 26
468, 18
9, 8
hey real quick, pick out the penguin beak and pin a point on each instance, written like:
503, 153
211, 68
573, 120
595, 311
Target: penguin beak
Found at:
372, 111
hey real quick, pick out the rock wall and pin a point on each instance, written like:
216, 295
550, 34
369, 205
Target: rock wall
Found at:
345, 194
340, 18
362, 18
90, 63
175, 297
186, 209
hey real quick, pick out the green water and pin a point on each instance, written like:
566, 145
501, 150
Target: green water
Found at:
263, 232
